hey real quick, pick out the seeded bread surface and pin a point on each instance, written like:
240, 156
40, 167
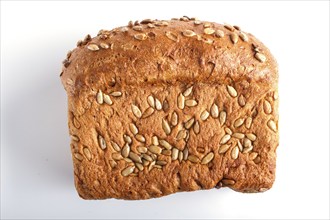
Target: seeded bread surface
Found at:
158, 107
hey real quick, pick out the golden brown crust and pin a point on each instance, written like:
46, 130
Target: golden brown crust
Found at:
208, 90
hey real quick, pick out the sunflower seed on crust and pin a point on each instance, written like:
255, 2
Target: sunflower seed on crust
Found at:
222, 117
165, 144
204, 115
208, 158
174, 118
188, 33
232, 91
225, 139
136, 111
133, 129
181, 101
102, 143
234, 153
188, 91
223, 148
125, 151
193, 159
99, 97
127, 171
166, 127
151, 101
115, 146
93, 47
155, 149
148, 112
214, 110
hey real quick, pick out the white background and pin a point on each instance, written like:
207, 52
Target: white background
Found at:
36, 166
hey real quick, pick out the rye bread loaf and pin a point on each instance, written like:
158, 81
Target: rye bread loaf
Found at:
158, 107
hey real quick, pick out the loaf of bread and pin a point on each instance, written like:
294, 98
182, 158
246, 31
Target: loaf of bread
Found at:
158, 107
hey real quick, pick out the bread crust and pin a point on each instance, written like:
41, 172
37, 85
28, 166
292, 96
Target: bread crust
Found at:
126, 86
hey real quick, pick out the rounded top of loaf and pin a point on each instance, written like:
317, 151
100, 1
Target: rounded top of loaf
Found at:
182, 50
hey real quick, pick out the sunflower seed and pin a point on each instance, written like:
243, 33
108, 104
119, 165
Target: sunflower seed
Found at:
204, 115
99, 97
127, 171
133, 129
116, 156
171, 36
196, 127
113, 163
165, 106
174, 118
232, 92
151, 101
214, 110
191, 103
151, 165
187, 137
222, 118
197, 22
180, 157
209, 30
140, 36
189, 123
223, 148
93, 47
175, 153
125, 151
124, 29
165, 144
136, 111
193, 158
107, 99
104, 45
158, 166
185, 153
208, 158
219, 33
158, 104
188, 91
155, 140
188, 33
127, 139
78, 156
228, 182
225, 139
75, 138
151, 25
261, 57
145, 162
166, 127
248, 122
241, 100
148, 112
238, 122
272, 125
155, 149
142, 149
243, 36
251, 136
139, 166
238, 135
137, 28
128, 160
248, 149
135, 157
115, 146
239, 145
166, 152
229, 27
181, 135
140, 138
161, 162
181, 101
253, 155
267, 107
102, 143
87, 153
234, 153
116, 94
146, 157
228, 131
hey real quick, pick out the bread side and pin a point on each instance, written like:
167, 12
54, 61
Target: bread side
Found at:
159, 107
